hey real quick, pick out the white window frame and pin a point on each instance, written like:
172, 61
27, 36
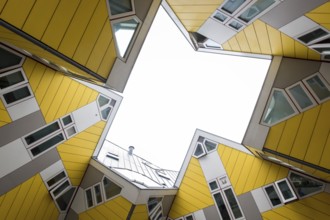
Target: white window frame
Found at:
72, 121
280, 192
64, 191
133, 39
312, 91
15, 85
224, 185
17, 101
58, 186
315, 40
247, 2
228, 204
234, 19
93, 196
204, 150
225, 202
324, 45
115, 196
217, 20
15, 53
277, 192
192, 215
268, 102
303, 87
94, 193
101, 108
125, 14
154, 212
67, 135
58, 182
218, 185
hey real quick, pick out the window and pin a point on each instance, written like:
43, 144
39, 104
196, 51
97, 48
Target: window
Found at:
155, 208
189, 217
62, 194
272, 195
66, 120
89, 198
105, 106
110, 188
279, 108
318, 87
313, 36
42, 133
233, 204
286, 192
235, 25
69, 126
56, 179
9, 59
213, 185
304, 185
120, 7
209, 145
222, 208
125, 33
12, 78
204, 146
47, 145
232, 5
16, 95
300, 96
199, 151
220, 16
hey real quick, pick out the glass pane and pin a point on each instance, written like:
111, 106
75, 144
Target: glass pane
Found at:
89, 198
285, 190
102, 101
8, 59
120, 6
124, 32
213, 185
272, 195
189, 217
11, 79
300, 96
221, 206
304, 185
16, 95
233, 203
278, 108
110, 188
47, 144
64, 200
56, 179
210, 145
98, 194
113, 102
42, 133
318, 87
71, 131
313, 35
322, 49
255, 10
199, 150
64, 185
67, 120
105, 113
219, 16
232, 5
153, 202
235, 25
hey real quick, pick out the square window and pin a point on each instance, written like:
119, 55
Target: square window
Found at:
285, 190
272, 195
213, 185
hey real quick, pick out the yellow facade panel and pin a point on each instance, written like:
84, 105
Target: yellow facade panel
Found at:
320, 135
140, 212
240, 183
90, 36
275, 40
243, 42
262, 36
15, 12
192, 23
234, 44
2, 4
39, 17
274, 136
36, 76
95, 214
307, 211
313, 55
263, 174
59, 23
78, 24
325, 159
4, 115
67, 99
253, 174
235, 175
231, 165
321, 18
289, 134
272, 174
271, 215
226, 46
28, 67
288, 46
119, 206
301, 51
85, 216
8, 201
193, 15
108, 60
251, 36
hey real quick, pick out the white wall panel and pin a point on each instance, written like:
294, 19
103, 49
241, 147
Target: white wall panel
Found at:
86, 116
212, 166
52, 170
23, 108
261, 200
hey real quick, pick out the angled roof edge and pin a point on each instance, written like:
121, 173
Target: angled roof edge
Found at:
212, 137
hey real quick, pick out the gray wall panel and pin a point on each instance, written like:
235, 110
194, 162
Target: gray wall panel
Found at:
92, 176
142, 8
27, 171
72, 215
211, 212
20, 127
288, 11
167, 203
249, 206
293, 70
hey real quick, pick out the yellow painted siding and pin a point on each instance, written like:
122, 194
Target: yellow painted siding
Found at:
193, 193
314, 207
140, 213
247, 172
259, 37
321, 15
29, 200
305, 136
115, 209
79, 29
194, 13
4, 116
56, 94
77, 151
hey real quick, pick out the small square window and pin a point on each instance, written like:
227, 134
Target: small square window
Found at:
318, 87
272, 195
300, 96
235, 25
286, 192
220, 16
70, 131
66, 120
213, 185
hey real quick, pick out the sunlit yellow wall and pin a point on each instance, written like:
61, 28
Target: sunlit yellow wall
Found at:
247, 172
4, 116
261, 38
56, 94
314, 207
78, 29
115, 209
77, 151
193, 193
321, 15
140, 213
30, 200
305, 136
193, 13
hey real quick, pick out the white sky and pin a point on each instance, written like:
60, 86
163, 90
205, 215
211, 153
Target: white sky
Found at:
173, 90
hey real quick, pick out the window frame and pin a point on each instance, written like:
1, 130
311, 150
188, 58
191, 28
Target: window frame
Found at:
15, 53
58, 182
312, 91
101, 108
189, 215
125, 14
6, 73
231, 27
221, 12
280, 192
154, 213
67, 135
133, 39
115, 196
221, 184
267, 105
203, 148
228, 204
63, 192
277, 192
241, 7
224, 201
315, 40
17, 101
311, 98
218, 185
67, 179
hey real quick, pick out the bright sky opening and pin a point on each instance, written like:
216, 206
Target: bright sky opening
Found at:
173, 90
